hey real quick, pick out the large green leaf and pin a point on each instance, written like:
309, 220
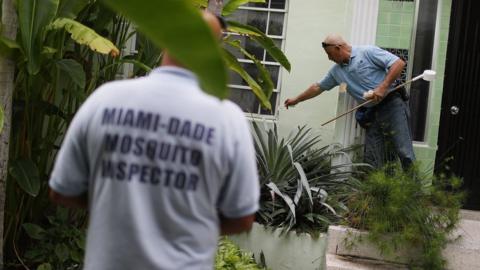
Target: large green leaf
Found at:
61, 250
9, 48
266, 42
45, 266
26, 174
234, 65
232, 5
71, 8
177, 26
34, 231
1, 119
240, 29
136, 63
285, 197
73, 70
303, 181
200, 3
33, 17
85, 35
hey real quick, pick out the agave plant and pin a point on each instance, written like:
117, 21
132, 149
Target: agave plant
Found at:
300, 188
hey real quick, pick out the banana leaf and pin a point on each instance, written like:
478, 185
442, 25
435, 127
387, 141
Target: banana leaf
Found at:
33, 18
200, 3
266, 42
177, 26
86, 36
265, 79
234, 65
233, 5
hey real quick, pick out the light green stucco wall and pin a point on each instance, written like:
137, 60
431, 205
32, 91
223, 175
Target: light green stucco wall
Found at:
426, 153
308, 22
395, 25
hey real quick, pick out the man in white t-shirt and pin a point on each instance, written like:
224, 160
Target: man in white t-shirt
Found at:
162, 167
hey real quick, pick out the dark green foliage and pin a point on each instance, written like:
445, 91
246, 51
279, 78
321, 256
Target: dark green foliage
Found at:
230, 257
43, 105
407, 210
59, 244
300, 189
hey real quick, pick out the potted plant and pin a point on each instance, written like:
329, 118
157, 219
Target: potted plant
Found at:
400, 216
301, 195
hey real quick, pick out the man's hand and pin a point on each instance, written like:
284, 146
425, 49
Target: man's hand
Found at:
290, 102
312, 91
379, 93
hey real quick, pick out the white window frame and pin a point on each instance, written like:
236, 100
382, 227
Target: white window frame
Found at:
278, 84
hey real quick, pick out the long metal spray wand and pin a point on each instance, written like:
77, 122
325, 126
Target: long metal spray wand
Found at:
427, 75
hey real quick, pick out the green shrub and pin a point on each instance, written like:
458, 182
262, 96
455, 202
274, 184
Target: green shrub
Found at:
230, 257
405, 210
59, 245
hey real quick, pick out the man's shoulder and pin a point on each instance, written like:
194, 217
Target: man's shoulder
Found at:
116, 85
362, 49
231, 107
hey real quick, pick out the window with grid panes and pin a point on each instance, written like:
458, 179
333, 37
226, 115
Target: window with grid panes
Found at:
268, 17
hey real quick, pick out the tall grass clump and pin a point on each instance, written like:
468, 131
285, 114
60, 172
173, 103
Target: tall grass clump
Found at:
407, 210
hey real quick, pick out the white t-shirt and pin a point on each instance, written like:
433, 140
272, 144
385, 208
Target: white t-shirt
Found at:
160, 160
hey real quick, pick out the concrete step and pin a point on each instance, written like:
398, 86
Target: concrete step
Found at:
464, 251
335, 262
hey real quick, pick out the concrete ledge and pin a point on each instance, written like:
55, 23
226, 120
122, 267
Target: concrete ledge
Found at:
338, 245
335, 262
290, 251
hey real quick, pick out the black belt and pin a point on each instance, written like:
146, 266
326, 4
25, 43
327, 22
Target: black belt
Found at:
393, 95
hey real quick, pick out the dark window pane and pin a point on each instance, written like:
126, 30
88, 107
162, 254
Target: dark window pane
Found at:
280, 4
251, 69
245, 99
273, 101
274, 70
236, 79
278, 43
254, 48
275, 25
253, 18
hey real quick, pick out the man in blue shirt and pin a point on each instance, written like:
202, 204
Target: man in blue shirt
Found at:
365, 68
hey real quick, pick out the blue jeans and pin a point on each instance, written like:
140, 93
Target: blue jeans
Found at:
389, 135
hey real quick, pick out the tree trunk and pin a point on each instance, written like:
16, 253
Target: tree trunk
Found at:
7, 69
